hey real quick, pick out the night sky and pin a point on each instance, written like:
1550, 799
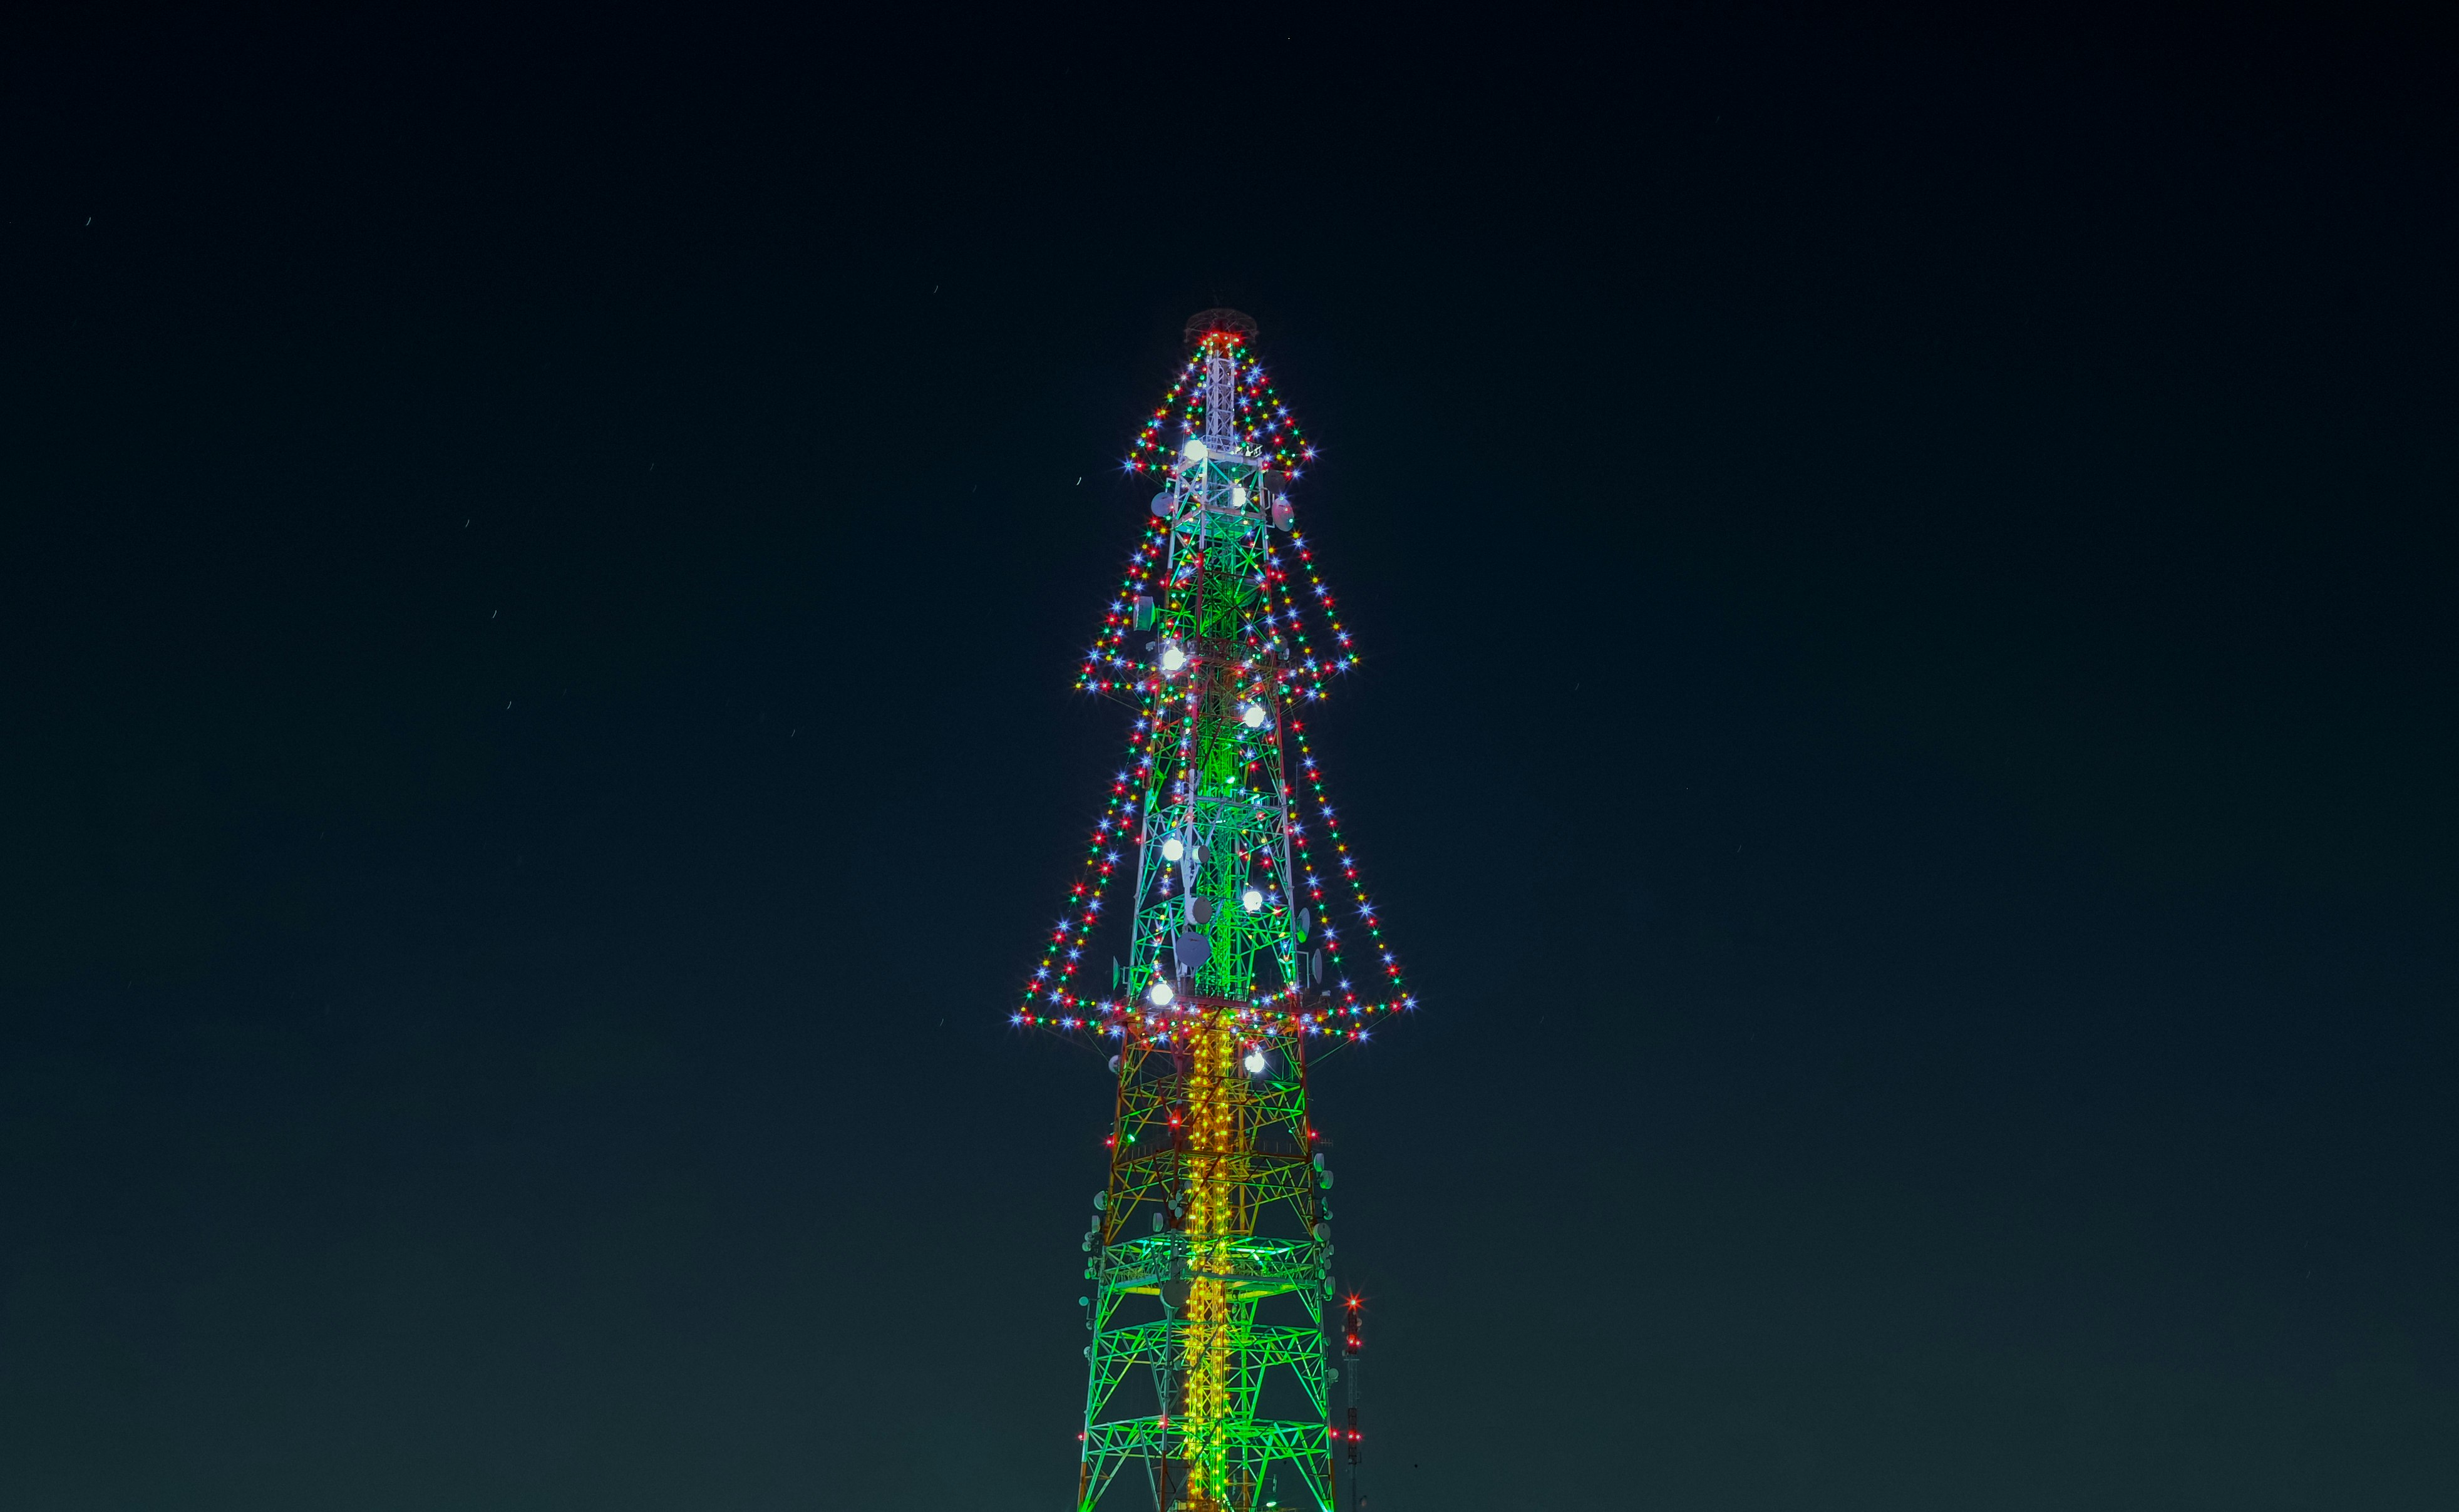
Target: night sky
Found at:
1906, 741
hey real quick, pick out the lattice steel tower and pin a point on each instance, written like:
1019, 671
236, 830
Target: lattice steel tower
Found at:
1209, 1254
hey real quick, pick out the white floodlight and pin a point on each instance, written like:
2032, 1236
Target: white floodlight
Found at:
1253, 716
1252, 899
1238, 495
1173, 657
1255, 1061
1172, 848
1161, 995
1195, 452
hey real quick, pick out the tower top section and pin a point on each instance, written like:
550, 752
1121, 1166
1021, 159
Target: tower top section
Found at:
1222, 398
1204, 323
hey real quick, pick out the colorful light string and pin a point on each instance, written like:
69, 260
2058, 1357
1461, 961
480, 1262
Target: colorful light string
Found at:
1050, 999
1073, 934
1109, 645
1262, 420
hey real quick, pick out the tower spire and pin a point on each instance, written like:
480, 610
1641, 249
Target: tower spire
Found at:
1220, 404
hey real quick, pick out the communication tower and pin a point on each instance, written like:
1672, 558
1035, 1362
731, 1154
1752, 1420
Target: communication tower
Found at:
1251, 952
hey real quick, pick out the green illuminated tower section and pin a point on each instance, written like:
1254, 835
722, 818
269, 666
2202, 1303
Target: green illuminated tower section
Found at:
1208, 1262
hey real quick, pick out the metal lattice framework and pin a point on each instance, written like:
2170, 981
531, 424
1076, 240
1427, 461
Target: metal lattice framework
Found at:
1210, 1257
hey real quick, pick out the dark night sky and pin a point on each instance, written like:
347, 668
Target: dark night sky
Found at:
1907, 745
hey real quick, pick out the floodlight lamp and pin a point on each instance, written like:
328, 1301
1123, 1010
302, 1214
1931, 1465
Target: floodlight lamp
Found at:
1255, 1061
1173, 657
1253, 716
1172, 848
1252, 899
1161, 995
1195, 452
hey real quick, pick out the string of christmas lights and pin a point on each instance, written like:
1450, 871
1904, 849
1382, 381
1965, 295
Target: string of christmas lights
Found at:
1070, 936
1277, 648
1262, 419
1073, 933
1317, 671
1304, 662
1108, 667
1369, 916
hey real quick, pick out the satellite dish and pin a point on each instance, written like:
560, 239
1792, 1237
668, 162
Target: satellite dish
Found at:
1192, 951
1164, 503
1318, 968
1306, 921
1199, 910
